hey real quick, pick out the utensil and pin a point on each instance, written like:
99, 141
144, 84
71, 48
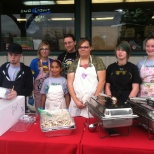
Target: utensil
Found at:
44, 112
92, 127
114, 99
138, 99
102, 94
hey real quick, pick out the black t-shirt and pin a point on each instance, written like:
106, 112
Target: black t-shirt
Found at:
66, 58
121, 79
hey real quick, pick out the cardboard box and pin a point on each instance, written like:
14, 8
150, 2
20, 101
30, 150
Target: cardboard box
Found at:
10, 111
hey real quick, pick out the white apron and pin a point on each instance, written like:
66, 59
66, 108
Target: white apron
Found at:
55, 98
85, 84
147, 86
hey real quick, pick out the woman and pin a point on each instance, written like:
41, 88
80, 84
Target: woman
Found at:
122, 77
54, 89
86, 77
40, 68
146, 68
68, 56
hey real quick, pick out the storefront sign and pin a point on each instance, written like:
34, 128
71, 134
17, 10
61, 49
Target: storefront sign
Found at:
37, 11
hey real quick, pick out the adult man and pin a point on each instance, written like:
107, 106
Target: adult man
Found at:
15, 75
68, 56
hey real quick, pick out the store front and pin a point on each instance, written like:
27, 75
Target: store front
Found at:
105, 22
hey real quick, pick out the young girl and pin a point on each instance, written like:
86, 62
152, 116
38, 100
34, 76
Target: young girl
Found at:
40, 68
54, 89
122, 77
146, 68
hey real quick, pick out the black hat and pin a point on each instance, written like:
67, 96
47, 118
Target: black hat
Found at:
15, 48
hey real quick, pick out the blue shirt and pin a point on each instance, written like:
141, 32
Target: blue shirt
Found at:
34, 66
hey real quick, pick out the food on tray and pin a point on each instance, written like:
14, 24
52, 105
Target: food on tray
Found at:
56, 119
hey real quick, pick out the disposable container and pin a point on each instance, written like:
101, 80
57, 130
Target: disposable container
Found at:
56, 122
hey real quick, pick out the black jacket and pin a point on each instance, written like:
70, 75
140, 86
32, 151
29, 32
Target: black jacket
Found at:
23, 83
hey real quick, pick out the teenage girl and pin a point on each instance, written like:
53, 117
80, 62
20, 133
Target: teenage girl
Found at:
146, 68
54, 89
40, 67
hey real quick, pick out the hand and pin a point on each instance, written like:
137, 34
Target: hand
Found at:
80, 105
11, 95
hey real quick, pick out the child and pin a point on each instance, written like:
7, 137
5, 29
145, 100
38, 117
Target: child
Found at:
54, 89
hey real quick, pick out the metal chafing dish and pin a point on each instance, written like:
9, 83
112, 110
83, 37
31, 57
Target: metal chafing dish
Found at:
144, 108
109, 115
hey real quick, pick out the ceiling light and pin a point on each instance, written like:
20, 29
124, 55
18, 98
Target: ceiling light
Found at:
62, 19
21, 19
38, 2
105, 18
65, 2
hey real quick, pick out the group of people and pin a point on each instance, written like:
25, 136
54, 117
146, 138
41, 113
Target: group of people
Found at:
70, 80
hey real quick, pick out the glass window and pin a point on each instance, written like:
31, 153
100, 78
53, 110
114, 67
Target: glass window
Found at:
104, 30
119, 1
32, 24
119, 22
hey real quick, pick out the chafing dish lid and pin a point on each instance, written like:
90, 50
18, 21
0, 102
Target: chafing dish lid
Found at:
109, 109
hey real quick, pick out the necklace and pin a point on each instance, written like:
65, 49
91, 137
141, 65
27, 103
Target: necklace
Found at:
66, 56
121, 68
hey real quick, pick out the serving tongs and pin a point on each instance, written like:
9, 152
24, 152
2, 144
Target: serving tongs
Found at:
113, 99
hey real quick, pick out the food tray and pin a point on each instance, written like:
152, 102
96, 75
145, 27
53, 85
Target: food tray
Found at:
145, 113
24, 123
20, 127
59, 132
110, 117
109, 111
56, 122
111, 122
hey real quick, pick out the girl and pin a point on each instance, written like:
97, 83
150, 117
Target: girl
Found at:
146, 67
54, 89
122, 77
86, 77
40, 68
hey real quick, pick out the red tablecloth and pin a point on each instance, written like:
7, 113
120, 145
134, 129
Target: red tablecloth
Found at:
35, 142
136, 143
81, 141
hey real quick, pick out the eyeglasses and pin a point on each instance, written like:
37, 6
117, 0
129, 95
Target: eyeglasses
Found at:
46, 49
84, 47
65, 43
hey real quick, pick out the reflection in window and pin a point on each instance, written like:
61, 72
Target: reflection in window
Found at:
132, 25
51, 27
9, 30
105, 30
119, 1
